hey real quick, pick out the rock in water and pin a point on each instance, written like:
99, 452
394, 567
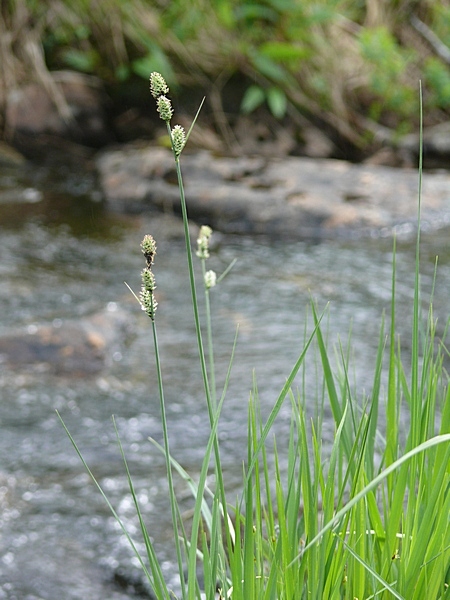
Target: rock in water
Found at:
292, 197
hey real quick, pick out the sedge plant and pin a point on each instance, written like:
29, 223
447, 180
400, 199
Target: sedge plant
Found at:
367, 518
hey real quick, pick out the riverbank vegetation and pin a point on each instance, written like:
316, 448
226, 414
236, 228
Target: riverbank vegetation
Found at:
367, 517
350, 68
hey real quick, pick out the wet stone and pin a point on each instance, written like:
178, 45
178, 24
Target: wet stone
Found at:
299, 198
79, 347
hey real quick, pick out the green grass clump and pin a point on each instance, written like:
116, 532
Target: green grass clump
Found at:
367, 518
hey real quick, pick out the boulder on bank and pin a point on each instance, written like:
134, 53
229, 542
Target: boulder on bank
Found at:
71, 106
294, 197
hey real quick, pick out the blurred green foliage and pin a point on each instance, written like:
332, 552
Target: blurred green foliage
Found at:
351, 66
438, 77
387, 66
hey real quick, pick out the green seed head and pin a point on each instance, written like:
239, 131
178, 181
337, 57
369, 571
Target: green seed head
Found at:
148, 303
148, 280
178, 139
148, 247
164, 107
210, 279
158, 85
203, 241
146, 296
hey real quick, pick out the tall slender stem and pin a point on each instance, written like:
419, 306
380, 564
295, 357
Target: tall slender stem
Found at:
212, 374
193, 289
173, 500
211, 414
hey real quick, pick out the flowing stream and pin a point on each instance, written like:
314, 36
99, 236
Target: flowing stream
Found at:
65, 258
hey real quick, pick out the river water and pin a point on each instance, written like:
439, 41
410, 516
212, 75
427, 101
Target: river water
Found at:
64, 258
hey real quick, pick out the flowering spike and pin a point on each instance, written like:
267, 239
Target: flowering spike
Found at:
148, 303
148, 280
178, 139
164, 107
146, 296
203, 241
148, 247
210, 279
158, 85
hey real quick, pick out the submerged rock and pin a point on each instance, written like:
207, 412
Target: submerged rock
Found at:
67, 347
294, 197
